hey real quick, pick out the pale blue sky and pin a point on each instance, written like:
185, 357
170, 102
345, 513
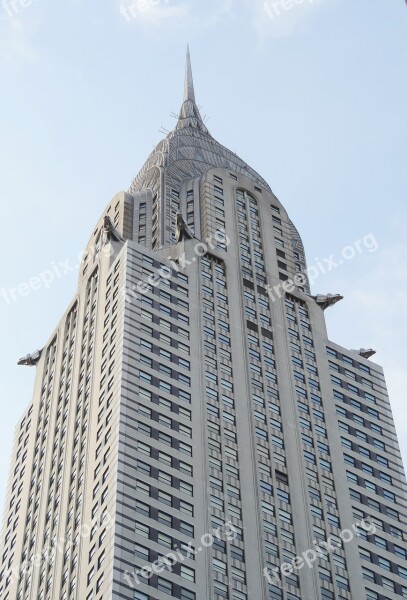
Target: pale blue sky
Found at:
313, 98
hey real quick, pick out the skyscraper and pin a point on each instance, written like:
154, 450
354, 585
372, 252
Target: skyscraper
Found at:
193, 432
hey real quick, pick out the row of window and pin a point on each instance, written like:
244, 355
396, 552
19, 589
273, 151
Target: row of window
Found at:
224, 479
348, 360
371, 486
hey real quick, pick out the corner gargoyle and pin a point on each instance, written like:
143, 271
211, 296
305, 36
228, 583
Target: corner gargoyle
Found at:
110, 231
31, 359
328, 300
183, 232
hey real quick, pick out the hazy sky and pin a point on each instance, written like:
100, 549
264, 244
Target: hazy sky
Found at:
312, 94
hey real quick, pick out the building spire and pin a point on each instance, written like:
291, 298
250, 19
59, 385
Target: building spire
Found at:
189, 92
189, 115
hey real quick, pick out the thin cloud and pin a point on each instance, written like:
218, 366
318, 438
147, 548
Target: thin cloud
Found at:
154, 13
224, 9
267, 17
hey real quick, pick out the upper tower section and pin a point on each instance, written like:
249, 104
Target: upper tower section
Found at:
174, 181
189, 150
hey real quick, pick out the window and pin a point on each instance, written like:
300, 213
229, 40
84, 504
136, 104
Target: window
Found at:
186, 488
316, 512
285, 517
145, 377
187, 573
384, 563
142, 552
219, 566
143, 488
398, 551
261, 434
164, 586
385, 477
99, 584
388, 584
142, 508
342, 583
369, 485
266, 488
140, 596
382, 460
142, 530
325, 575
187, 508
309, 457
164, 519
187, 594
396, 532
164, 540
389, 496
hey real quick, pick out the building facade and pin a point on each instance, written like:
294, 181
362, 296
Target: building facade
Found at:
193, 433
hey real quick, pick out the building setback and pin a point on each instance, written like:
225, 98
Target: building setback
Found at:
193, 433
